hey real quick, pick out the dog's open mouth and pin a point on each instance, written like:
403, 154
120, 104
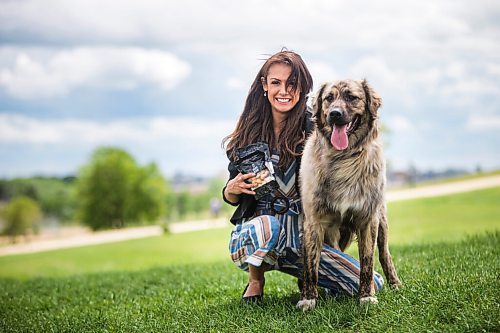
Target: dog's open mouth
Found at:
340, 134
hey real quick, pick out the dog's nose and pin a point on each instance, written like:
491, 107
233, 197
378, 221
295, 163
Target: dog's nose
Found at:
335, 115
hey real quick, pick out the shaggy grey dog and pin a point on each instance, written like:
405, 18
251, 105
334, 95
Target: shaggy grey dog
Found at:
342, 185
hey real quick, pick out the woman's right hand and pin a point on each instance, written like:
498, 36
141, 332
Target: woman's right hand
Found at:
237, 186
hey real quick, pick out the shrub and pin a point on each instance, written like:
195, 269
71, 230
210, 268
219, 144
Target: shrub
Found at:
22, 215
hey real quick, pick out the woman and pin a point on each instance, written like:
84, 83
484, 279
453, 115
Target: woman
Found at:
276, 113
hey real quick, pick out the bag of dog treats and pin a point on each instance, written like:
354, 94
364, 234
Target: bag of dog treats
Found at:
255, 158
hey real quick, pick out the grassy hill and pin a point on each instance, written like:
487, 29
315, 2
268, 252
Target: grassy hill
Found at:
448, 287
186, 282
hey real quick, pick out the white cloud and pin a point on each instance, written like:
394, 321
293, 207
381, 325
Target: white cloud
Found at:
376, 69
236, 83
485, 123
471, 87
493, 69
322, 24
455, 84
55, 146
46, 73
391, 46
455, 70
401, 124
173, 131
322, 72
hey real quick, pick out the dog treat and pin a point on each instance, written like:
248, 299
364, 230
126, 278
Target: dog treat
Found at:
255, 158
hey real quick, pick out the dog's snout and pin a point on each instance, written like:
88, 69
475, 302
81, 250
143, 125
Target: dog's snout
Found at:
335, 116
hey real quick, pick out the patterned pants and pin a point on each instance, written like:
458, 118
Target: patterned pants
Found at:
276, 241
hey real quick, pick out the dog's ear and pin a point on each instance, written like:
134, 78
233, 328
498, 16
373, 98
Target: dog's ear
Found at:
317, 101
373, 100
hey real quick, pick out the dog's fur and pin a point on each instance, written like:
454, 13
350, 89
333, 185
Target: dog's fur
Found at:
343, 190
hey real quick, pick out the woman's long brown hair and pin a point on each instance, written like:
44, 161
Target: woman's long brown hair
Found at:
256, 121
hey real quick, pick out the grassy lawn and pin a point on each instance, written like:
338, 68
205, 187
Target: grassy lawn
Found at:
186, 282
133, 255
448, 287
446, 218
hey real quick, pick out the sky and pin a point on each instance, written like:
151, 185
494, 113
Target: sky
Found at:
167, 80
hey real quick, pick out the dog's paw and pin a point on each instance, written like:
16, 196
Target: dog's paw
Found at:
368, 300
395, 286
306, 304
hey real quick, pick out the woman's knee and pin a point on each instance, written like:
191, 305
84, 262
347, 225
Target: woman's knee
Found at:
274, 223
267, 226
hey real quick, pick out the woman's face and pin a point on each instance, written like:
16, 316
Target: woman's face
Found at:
281, 99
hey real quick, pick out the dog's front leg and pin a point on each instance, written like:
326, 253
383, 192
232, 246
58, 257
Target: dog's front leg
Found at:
311, 246
384, 254
367, 239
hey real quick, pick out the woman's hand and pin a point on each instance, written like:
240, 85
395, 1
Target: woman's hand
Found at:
237, 185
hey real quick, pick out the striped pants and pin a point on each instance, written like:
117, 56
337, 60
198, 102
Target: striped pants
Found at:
276, 241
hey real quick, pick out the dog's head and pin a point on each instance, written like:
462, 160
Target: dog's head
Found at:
345, 112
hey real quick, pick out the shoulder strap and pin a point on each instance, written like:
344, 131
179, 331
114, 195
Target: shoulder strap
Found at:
308, 123
308, 128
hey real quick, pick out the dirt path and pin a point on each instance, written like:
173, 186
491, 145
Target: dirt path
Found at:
443, 189
86, 237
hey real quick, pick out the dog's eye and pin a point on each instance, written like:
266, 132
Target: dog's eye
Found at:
329, 98
352, 98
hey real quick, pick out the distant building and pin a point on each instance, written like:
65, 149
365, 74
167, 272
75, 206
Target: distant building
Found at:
412, 175
192, 184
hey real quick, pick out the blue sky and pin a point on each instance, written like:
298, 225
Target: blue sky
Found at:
167, 80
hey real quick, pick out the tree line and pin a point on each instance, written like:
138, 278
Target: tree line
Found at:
111, 191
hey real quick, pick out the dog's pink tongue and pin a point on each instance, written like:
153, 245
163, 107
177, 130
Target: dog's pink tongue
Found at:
339, 138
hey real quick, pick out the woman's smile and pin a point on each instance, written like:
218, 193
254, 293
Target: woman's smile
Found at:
283, 100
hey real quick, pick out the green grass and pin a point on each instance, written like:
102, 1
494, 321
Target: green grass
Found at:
448, 287
445, 218
186, 282
133, 255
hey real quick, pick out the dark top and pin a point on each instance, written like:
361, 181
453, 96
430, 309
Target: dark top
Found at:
247, 203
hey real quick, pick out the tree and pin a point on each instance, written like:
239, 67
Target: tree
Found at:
54, 195
112, 190
182, 203
10, 189
149, 191
22, 215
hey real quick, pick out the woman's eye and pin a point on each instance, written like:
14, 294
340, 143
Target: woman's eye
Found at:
275, 82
